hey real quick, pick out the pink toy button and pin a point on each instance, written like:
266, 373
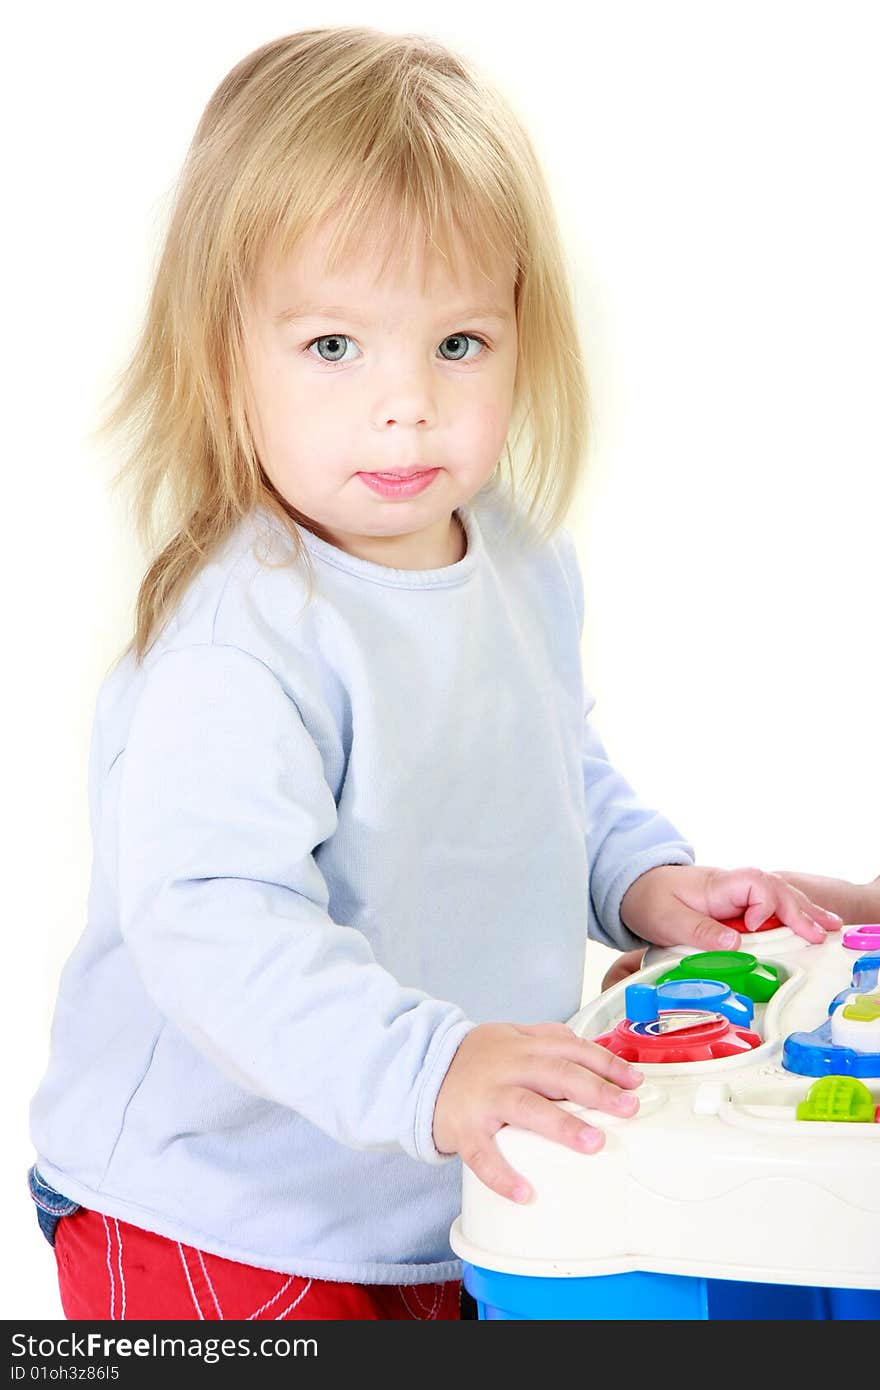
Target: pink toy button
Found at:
865, 938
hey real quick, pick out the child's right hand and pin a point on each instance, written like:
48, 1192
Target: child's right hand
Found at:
508, 1073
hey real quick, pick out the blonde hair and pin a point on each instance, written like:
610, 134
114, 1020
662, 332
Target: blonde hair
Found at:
397, 132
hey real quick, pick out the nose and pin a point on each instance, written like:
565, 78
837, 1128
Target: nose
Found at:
392, 420
405, 400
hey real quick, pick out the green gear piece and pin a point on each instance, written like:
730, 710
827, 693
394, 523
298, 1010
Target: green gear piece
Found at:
838, 1098
744, 973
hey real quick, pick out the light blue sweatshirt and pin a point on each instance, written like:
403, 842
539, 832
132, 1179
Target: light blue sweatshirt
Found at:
330, 837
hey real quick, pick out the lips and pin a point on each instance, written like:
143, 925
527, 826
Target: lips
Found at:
402, 482
397, 473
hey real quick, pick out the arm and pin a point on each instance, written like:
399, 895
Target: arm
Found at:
223, 801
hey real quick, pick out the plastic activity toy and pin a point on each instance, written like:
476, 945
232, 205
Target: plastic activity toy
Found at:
748, 1183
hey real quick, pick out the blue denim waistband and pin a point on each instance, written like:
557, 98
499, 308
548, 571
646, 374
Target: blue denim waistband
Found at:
49, 1204
47, 1197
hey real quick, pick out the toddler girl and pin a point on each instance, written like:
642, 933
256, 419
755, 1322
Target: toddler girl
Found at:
351, 821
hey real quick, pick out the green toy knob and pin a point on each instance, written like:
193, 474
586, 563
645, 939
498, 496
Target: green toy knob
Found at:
744, 973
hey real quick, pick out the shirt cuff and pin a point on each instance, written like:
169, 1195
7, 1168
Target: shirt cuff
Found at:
611, 929
436, 1066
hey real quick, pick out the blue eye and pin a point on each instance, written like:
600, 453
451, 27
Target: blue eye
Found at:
336, 343
463, 339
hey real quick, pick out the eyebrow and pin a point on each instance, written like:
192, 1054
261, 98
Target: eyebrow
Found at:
336, 311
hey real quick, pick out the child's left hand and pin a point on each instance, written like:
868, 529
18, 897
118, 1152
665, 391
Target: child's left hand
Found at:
688, 904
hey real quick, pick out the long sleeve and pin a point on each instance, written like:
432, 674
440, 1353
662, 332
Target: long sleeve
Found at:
222, 804
624, 837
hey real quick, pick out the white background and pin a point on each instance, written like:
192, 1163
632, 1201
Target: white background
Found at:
715, 171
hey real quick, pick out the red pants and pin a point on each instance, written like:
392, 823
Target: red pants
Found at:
109, 1269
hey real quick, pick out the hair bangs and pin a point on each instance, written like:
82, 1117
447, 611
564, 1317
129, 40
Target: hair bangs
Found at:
404, 209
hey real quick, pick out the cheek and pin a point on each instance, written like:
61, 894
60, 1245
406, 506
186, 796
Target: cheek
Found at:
487, 427
297, 416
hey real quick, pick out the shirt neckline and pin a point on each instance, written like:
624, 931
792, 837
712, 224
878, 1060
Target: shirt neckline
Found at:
446, 577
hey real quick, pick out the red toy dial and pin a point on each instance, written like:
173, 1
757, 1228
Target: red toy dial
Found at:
738, 924
678, 1035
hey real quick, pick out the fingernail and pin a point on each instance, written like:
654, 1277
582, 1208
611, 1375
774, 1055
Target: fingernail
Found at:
589, 1140
628, 1102
521, 1193
820, 928
634, 1074
728, 939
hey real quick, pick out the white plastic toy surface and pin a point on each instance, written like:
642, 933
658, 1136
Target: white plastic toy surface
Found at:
715, 1175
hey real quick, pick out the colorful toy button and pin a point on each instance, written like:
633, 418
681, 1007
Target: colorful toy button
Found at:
864, 1007
644, 1002
839, 1098
742, 972
678, 1035
857, 1023
865, 978
739, 924
817, 1053
866, 938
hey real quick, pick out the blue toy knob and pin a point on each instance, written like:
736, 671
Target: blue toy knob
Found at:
641, 1003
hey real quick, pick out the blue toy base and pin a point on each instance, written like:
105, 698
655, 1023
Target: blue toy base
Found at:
640, 1295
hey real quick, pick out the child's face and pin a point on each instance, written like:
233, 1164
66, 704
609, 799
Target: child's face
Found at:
390, 379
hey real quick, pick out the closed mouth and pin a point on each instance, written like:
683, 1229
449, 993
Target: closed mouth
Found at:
399, 474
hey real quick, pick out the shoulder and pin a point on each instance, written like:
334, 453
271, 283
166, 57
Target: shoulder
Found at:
249, 606
234, 641
515, 539
252, 594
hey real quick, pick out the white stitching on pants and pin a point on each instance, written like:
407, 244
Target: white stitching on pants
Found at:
404, 1302
423, 1309
435, 1304
269, 1302
300, 1296
210, 1285
119, 1259
110, 1270
189, 1281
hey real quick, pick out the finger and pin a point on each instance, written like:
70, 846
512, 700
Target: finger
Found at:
820, 890
764, 894
485, 1160
529, 1110
601, 1062
795, 910
821, 915
595, 1059
748, 893
831, 921
561, 1078
689, 928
